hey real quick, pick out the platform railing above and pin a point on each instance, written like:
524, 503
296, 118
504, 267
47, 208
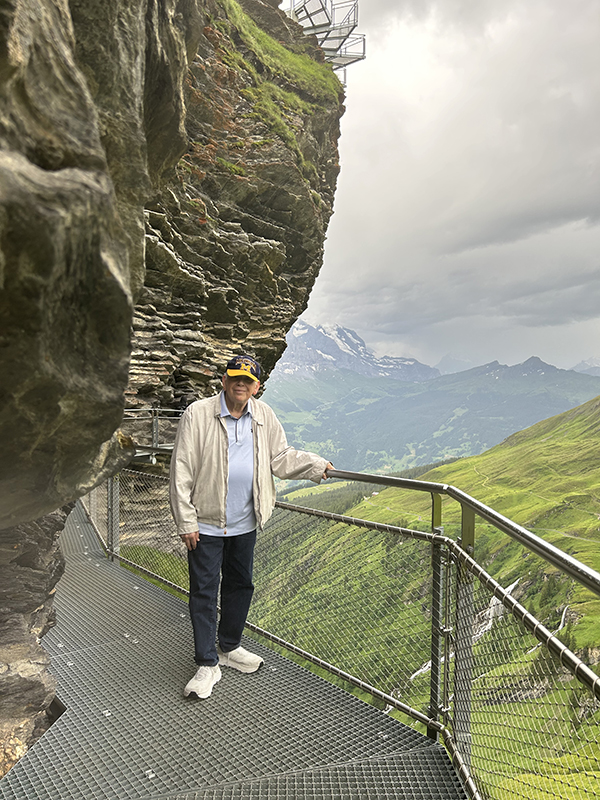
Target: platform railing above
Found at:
152, 430
334, 23
413, 623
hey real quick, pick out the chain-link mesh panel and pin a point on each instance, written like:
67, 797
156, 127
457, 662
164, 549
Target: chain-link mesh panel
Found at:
528, 727
356, 598
96, 504
148, 536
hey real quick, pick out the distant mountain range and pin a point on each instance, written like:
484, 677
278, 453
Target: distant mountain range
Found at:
589, 367
311, 350
334, 397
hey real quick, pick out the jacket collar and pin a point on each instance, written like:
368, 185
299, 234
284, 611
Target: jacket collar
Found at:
255, 408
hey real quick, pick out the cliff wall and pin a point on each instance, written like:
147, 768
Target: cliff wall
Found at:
235, 239
166, 167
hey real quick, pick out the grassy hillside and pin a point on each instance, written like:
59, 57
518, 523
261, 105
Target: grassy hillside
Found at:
360, 599
546, 478
385, 425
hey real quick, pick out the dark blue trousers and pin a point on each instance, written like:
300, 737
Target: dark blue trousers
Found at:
230, 561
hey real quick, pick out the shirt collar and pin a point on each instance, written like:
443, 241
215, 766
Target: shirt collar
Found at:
225, 411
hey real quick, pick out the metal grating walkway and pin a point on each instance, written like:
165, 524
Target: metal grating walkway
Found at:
122, 654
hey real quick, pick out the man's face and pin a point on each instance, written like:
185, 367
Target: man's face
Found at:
239, 389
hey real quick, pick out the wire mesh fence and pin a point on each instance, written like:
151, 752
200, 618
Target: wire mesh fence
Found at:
414, 619
530, 728
332, 589
96, 505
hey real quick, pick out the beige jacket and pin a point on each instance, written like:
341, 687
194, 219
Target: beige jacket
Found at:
199, 464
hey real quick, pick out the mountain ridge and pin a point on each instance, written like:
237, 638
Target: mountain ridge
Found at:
590, 367
377, 424
313, 349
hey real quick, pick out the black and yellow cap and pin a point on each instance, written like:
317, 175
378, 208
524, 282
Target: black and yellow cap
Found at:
243, 365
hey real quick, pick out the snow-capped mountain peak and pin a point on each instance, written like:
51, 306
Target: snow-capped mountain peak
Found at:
313, 349
589, 367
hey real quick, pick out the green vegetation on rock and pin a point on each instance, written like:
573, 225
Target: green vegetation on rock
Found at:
229, 166
315, 79
288, 84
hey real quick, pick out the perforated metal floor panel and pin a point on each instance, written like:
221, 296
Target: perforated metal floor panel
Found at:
122, 652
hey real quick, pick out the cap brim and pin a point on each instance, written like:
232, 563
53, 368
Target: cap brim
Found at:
233, 373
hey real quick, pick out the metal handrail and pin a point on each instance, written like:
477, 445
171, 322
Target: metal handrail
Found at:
575, 569
455, 580
583, 574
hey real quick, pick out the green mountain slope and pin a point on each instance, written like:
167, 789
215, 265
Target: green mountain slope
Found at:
525, 706
546, 478
380, 424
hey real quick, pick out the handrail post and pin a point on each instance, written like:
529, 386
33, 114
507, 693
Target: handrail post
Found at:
113, 517
463, 671
155, 428
436, 615
93, 504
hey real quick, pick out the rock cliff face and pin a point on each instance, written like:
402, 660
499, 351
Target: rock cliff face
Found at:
235, 241
169, 163
30, 566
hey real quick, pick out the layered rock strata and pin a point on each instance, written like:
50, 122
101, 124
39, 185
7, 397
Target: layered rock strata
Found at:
235, 241
213, 124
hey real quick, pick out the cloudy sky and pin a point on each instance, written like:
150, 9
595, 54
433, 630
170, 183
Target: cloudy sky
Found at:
467, 211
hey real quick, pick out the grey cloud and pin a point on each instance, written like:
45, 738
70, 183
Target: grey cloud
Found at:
468, 198
556, 305
535, 282
471, 14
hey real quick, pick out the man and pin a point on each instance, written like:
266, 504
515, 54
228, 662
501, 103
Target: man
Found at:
227, 450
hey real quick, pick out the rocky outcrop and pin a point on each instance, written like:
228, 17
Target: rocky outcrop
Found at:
30, 566
173, 157
88, 90
235, 162
235, 241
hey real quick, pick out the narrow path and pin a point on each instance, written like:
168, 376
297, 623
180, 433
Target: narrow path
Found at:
121, 654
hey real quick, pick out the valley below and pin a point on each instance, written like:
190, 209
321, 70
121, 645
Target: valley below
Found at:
383, 425
333, 396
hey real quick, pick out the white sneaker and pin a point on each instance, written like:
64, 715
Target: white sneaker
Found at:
203, 681
240, 659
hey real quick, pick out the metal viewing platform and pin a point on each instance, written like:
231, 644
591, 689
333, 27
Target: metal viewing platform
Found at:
334, 24
408, 618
